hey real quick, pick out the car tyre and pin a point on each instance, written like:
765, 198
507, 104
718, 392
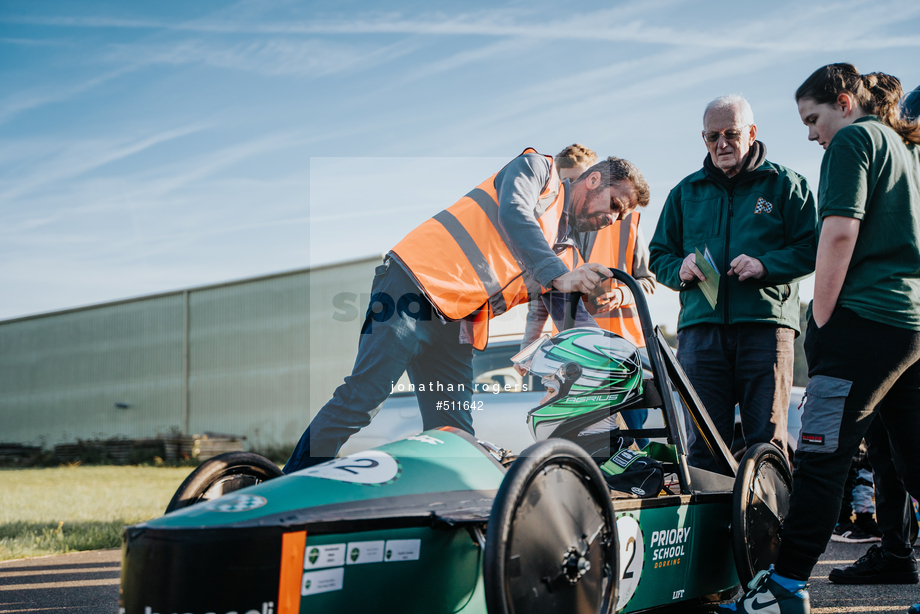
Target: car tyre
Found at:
551, 545
220, 475
760, 504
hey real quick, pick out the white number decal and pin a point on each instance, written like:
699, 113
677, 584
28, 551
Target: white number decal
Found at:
632, 556
370, 467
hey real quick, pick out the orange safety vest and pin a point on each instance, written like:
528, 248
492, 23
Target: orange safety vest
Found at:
615, 248
462, 260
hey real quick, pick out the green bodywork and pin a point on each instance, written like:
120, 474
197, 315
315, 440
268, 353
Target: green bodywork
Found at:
433, 462
692, 565
685, 552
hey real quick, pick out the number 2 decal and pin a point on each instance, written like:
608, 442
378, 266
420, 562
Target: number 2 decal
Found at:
371, 463
370, 467
630, 542
632, 557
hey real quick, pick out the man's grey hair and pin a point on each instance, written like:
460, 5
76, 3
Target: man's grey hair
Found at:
732, 101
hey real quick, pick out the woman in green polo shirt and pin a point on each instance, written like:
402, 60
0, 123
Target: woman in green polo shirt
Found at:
863, 336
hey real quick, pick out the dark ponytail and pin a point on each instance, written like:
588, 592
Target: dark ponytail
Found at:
876, 93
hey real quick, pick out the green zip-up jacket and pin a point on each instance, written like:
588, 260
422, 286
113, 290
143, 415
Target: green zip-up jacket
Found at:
770, 215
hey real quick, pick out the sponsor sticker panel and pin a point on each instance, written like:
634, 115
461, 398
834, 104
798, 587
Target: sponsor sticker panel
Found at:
332, 555
360, 553
323, 581
403, 550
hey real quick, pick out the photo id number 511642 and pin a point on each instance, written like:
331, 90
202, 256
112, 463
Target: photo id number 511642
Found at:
459, 405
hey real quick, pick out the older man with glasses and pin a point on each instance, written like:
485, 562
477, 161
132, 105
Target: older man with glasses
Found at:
734, 238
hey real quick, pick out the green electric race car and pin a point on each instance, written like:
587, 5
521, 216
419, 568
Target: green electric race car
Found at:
443, 522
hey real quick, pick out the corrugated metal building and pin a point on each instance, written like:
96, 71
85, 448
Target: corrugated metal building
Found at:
251, 357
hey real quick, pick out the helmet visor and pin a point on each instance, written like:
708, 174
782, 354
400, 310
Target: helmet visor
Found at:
525, 357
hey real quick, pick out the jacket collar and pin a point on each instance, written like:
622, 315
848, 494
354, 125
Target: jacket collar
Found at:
765, 169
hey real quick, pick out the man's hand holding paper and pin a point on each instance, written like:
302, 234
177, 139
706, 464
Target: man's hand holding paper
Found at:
710, 282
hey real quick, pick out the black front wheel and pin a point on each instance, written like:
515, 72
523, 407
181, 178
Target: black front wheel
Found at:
761, 501
551, 545
220, 475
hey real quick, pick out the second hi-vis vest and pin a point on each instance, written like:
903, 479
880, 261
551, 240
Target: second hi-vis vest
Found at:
615, 248
461, 257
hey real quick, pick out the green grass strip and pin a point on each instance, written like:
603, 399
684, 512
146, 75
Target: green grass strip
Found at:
69, 509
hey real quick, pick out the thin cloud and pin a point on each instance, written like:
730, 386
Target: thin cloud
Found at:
84, 157
613, 25
101, 197
32, 42
24, 101
86, 22
659, 75
305, 58
458, 60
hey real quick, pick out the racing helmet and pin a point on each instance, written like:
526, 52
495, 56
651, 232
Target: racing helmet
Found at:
910, 105
584, 370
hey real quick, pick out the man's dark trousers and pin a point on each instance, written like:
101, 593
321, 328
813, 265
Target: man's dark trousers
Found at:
749, 364
401, 332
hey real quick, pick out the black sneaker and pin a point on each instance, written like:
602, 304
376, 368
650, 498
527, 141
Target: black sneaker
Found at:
841, 528
878, 566
766, 596
866, 522
914, 609
851, 533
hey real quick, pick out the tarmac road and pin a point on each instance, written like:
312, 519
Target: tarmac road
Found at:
87, 582
83, 582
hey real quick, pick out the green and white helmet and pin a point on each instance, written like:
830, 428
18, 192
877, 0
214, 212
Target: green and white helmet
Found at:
584, 370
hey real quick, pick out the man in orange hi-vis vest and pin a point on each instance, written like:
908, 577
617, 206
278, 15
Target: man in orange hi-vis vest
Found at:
618, 246
433, 297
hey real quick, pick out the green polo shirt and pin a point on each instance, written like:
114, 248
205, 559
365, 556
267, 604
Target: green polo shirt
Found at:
870, 174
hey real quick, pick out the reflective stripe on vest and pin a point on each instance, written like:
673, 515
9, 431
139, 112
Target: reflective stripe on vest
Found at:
461, 257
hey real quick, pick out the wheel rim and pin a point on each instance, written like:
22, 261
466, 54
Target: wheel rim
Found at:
762, 495
769, 504
227, 484
555, 559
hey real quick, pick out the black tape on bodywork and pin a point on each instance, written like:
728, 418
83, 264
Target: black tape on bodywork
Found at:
199, 571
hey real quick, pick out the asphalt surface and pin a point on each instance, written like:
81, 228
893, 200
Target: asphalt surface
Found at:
82, 582
88, 582
829, 598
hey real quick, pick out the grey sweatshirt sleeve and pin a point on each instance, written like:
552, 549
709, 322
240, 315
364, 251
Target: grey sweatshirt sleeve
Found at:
536, 320
519, 185
641, 272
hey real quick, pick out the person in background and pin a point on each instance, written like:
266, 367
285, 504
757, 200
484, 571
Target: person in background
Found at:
571, 162
618, 246
858, 492
863, 337
754, 220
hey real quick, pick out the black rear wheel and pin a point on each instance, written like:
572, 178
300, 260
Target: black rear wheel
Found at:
220, 475
551, 545
761, 501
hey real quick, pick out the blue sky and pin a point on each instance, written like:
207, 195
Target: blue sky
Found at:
147, 147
